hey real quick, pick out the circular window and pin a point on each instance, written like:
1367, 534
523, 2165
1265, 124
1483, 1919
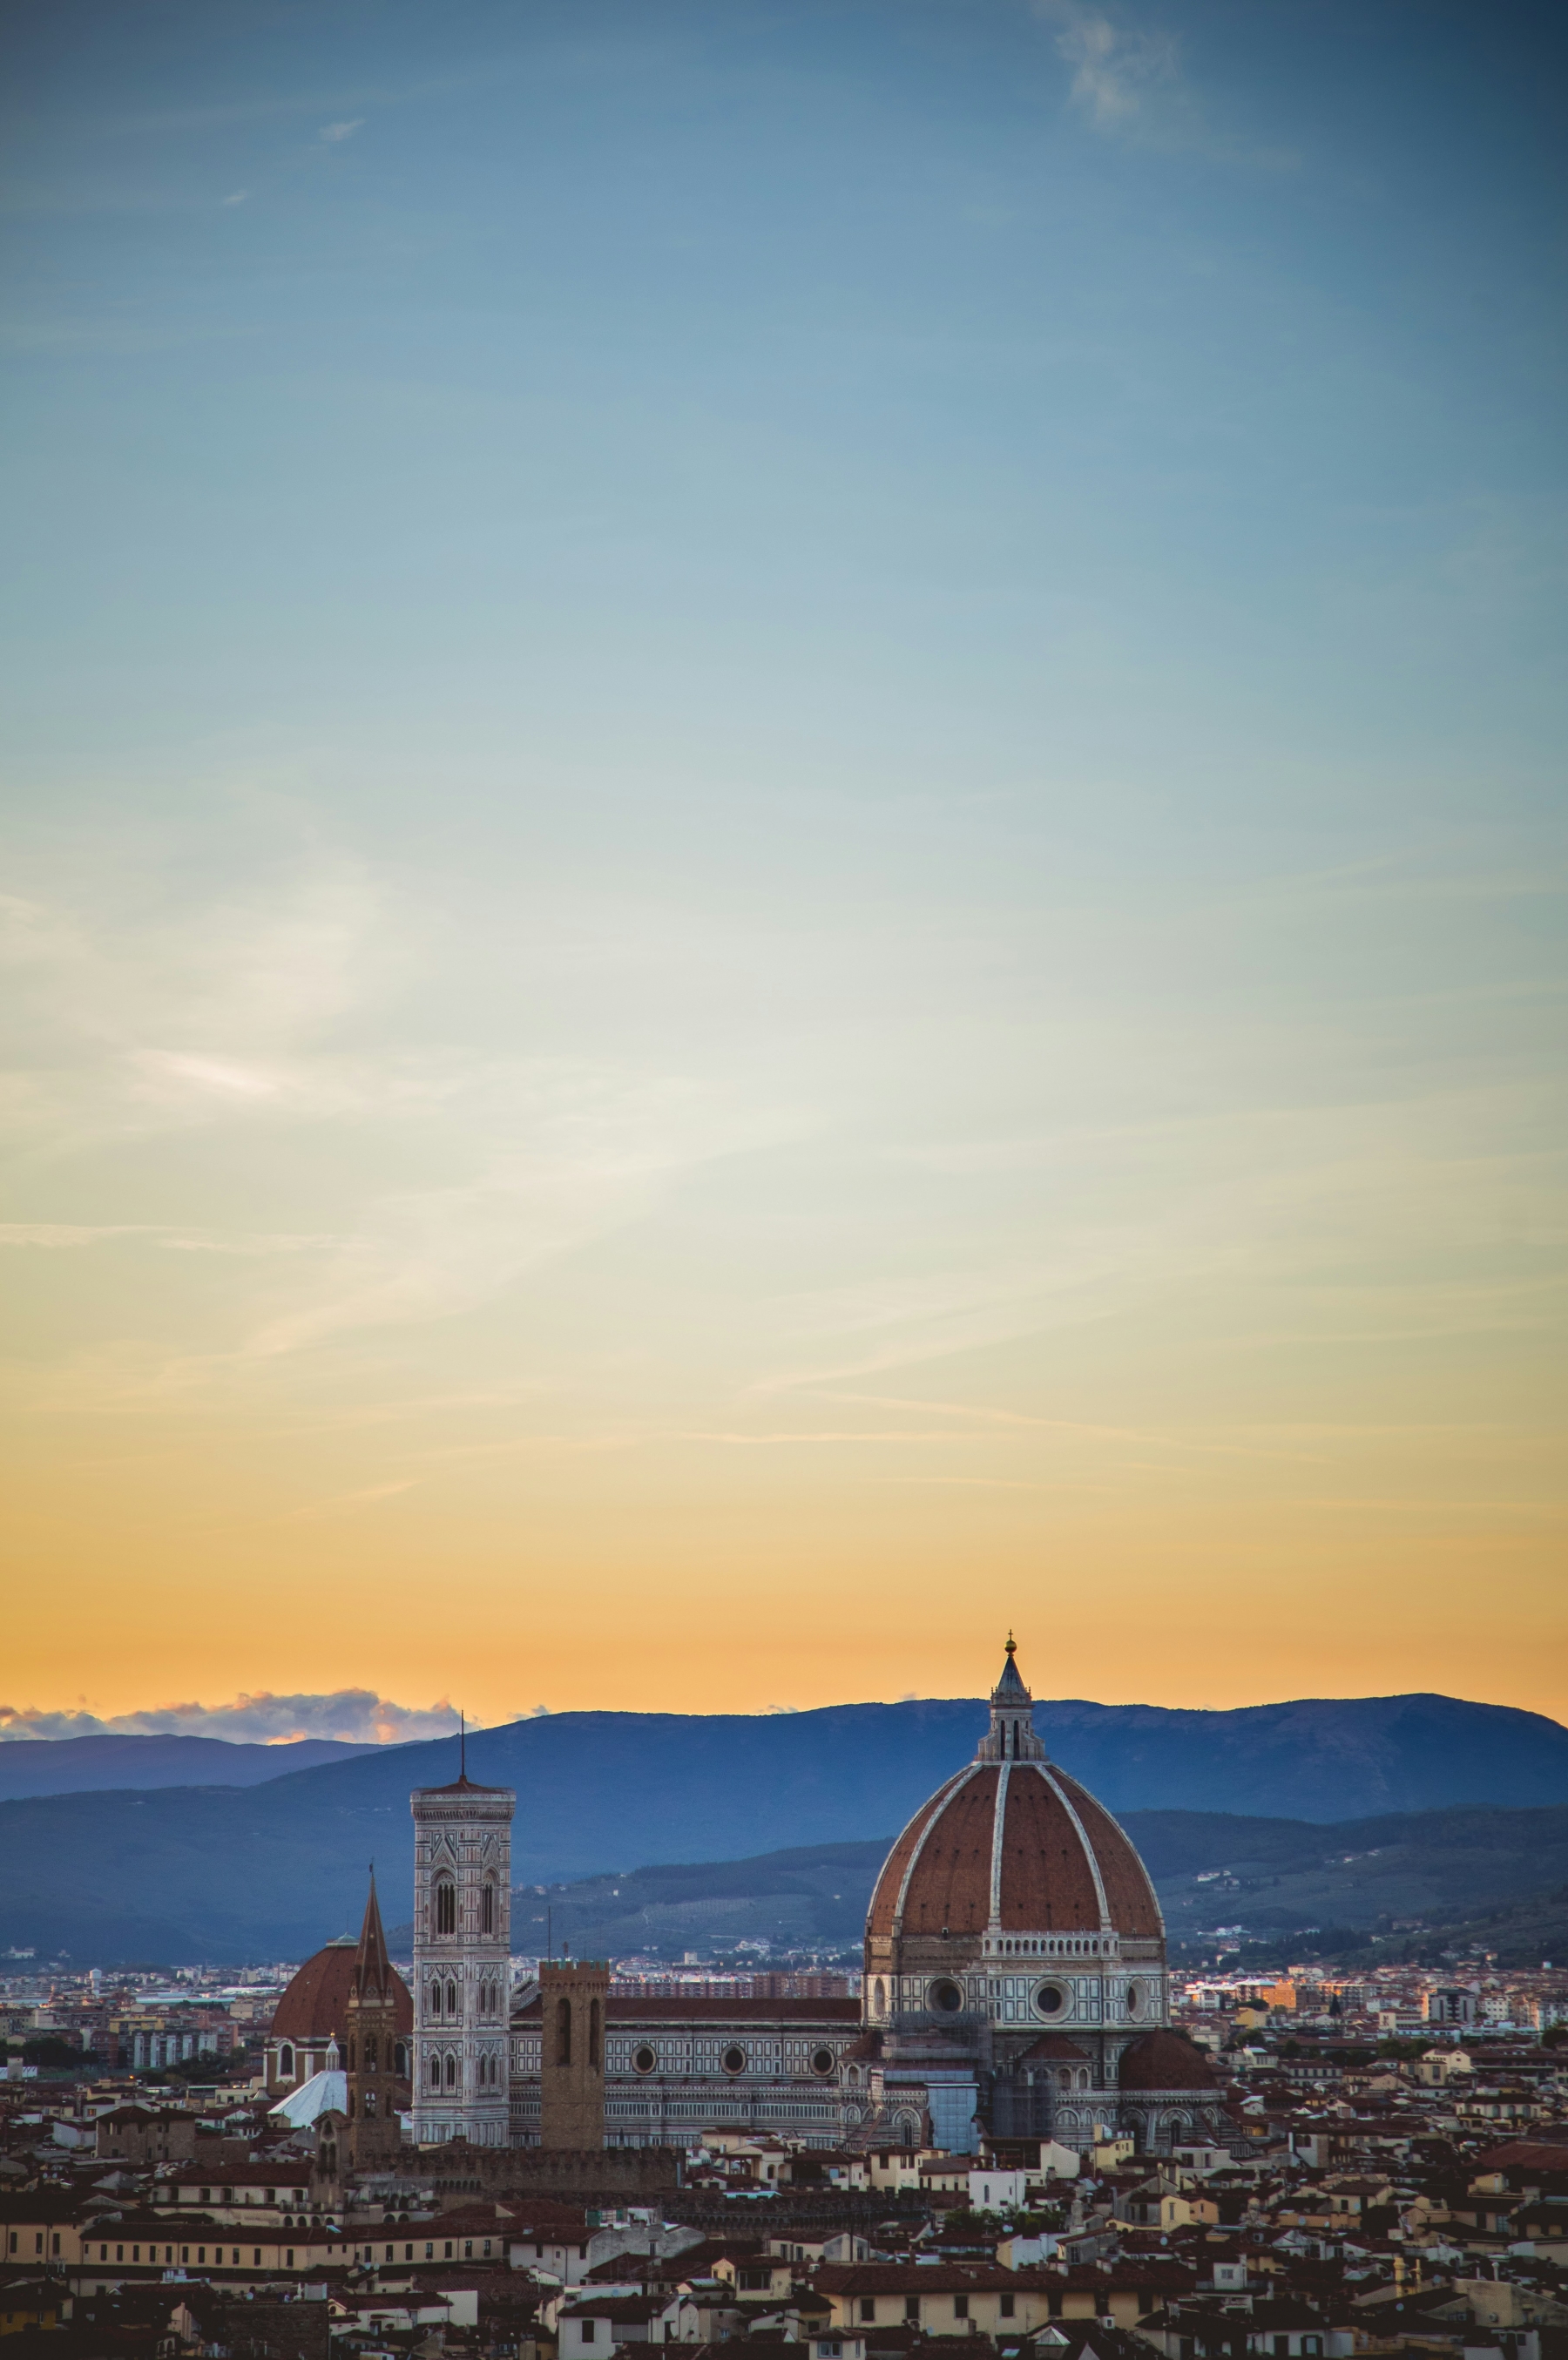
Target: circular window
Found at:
644, 2059
735, 2061
822, 2060
1050, 1999
1135, 1999
947, 1997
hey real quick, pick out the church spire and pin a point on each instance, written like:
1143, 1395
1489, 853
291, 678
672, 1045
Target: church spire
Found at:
371, 1966
1011, 1736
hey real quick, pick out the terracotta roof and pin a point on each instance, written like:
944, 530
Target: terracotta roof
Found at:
938, 1875
1163, 2061
315, 2005
1054, 2047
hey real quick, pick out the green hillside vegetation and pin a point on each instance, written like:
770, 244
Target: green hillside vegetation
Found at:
1407, 1878
218, 1873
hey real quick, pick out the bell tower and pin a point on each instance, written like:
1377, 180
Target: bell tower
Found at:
463, 1892
375, 2132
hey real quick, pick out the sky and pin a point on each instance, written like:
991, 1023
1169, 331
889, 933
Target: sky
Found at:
783, 855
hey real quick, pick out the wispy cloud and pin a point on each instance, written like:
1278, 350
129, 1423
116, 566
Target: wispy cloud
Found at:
356, 1716
1115, 65
236, 197
334, 134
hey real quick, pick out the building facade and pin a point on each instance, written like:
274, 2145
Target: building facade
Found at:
1016, 1988
462, 1886
675, 2068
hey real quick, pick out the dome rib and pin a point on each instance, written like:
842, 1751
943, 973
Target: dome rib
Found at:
998, 1836
1128, 1886
1081, 1833
905, 1852
951, 1895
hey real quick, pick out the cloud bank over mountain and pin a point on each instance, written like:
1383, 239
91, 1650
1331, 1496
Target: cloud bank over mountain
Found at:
352, 1716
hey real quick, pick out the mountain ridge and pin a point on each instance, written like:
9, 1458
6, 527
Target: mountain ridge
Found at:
145, 1761
275, 1869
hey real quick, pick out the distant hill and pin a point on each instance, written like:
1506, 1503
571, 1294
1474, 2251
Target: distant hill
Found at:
273, 1871
1276, 1876
80, 1766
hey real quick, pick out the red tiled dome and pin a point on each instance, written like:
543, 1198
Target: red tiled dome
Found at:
315, 2005
1163, 2061
1063, 1866
1054, 2049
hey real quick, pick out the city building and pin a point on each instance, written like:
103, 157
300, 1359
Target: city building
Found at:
1015, 1987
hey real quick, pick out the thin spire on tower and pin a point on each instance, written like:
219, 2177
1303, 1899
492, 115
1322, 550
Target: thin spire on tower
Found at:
373, 1964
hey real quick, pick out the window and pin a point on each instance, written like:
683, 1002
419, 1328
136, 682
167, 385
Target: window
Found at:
822, 2060
487, 1907
435, 1999
594, 2034
590, 2328
371, 2055
451, 1999
286, 2062
400, 2067
868, 2309
435, 2073
1004, 2305
644, 2059
564, 2031
912, 2309
444, 1903
370, 2109
452, 2072
960, 2306
735, 2061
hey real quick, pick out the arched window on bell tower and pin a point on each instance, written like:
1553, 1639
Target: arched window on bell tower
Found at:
445, 1905
563, 2030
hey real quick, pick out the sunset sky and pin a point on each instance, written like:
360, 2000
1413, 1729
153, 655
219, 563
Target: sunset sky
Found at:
783, 851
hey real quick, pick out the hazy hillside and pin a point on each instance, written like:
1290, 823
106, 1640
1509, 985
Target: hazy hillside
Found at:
1315, 1759
1275, 1876
80, 1766
278, 1868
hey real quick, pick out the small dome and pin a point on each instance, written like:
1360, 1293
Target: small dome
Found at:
315, 2005
1063, 1866
1054, 2049
1163, 2061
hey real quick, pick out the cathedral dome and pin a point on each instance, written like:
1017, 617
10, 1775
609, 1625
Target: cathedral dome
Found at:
1058, 1865
1012, 1845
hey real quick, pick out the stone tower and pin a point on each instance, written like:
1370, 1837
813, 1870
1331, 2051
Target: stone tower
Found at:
575, 1993
463, 1879
370, 2058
